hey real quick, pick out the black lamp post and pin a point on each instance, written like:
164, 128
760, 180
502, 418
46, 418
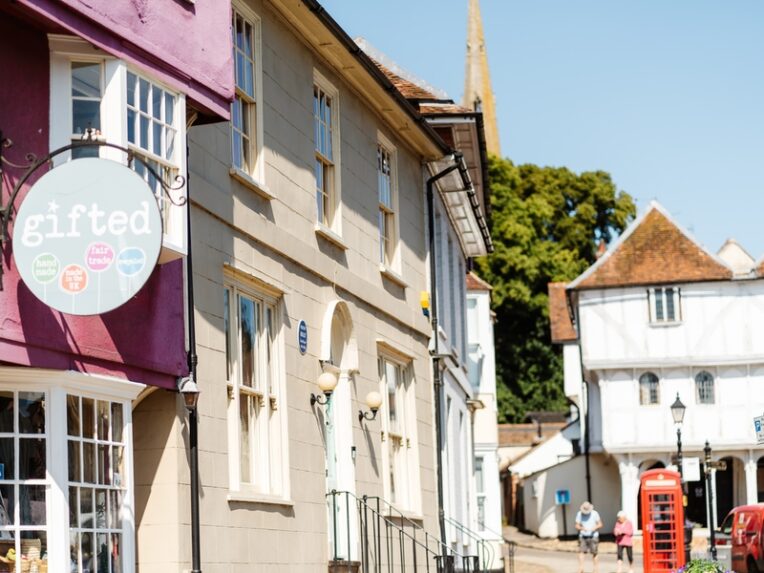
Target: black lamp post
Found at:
708, 468
677, 412
190, 392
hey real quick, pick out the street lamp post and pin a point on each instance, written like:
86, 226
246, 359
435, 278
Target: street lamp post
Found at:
708, 468
677, 413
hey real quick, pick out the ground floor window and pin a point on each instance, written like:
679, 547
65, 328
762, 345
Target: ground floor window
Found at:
65, 487
96, 451
480, 491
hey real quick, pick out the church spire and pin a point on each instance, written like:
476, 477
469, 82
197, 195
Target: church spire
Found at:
477, 80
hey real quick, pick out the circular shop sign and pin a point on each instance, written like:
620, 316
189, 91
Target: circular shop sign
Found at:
87, 236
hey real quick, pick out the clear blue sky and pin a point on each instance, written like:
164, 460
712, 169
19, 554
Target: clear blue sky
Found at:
668, 96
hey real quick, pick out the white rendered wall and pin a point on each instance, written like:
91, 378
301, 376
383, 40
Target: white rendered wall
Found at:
572, 371
545, 518
722, 331
485, 428
554, 450
722, 323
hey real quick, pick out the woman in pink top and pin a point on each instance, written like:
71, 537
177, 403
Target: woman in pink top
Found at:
623, 532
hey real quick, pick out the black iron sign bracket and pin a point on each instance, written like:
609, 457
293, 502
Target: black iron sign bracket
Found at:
32, 164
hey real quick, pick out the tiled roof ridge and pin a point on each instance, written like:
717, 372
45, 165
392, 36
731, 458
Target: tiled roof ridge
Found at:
390, 67
714, 268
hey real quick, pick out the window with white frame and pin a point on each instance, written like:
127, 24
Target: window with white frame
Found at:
258, 453
245, 111
399, 431
461, 277
86, 95
50, 434
96, 446
387, 184
152, 134
94, 93
451, 278
480, 491
704, 388
665, 304
649, 389
326, 145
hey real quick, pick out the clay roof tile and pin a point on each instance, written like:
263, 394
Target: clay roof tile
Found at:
653, 250
559, 317
474, 282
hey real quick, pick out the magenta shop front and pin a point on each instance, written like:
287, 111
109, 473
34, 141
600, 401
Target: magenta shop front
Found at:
114, 73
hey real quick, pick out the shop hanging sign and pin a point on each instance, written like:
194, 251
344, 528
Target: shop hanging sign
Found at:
87, 236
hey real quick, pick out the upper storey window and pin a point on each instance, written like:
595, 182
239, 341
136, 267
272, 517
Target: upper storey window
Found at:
152, 133
326, 146
665, 304
649, 389
99, 97
704, 388
246, 113
388, 200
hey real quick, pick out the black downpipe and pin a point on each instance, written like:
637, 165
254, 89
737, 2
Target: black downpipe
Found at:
193, 421
436, 378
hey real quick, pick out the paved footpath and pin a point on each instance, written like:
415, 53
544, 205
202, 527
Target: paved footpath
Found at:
536, 555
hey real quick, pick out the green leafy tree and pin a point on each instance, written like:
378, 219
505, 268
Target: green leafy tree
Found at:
547, 224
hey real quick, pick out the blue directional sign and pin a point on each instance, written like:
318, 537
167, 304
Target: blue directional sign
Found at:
758, 425
302, 336
562, 497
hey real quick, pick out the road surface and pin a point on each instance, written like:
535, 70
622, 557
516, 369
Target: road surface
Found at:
566, 562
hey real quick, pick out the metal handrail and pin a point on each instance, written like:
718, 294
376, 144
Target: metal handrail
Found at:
511, 545
372, 554
484, 549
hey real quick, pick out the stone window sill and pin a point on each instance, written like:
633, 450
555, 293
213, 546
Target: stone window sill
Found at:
250, 183
392, 276
326, 233
261, 498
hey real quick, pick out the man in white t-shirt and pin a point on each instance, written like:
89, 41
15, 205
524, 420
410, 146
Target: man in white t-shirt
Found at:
588, 521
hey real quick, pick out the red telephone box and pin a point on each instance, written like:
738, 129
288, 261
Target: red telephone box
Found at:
662, 521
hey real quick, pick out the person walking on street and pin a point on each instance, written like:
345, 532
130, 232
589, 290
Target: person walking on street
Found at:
588, 522
624, 531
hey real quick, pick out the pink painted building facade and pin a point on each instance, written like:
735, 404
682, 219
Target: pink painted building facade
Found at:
133, 73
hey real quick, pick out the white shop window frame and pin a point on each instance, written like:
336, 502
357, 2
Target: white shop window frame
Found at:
238, 490
408, 498
57, 385
66, 49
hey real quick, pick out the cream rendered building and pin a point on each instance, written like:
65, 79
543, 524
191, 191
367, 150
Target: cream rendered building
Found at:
310, 255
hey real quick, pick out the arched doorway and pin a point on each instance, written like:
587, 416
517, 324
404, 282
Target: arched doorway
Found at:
730, 487
339, 355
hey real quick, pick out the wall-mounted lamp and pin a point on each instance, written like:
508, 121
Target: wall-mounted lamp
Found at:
327, 382
373, 402
190, 392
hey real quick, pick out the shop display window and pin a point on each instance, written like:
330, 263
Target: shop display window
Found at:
23, 482
65, 473
96, 484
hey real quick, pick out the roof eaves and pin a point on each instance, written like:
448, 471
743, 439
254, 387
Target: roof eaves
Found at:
368, 64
